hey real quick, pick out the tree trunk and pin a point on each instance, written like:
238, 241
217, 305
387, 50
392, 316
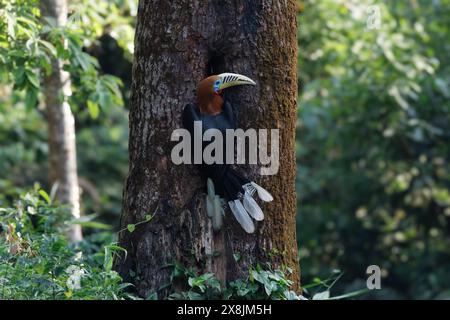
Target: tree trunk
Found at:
61, 125
178, 43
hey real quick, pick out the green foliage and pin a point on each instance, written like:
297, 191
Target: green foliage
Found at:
132, 226
373, 151
261, 284
36, 262
27, 45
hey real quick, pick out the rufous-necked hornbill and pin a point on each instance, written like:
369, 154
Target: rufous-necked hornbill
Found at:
224, 184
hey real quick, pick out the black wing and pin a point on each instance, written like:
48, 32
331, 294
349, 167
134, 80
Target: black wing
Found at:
228, 112
190, 114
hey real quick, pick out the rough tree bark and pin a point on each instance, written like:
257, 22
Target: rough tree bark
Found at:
178, 43
61, 125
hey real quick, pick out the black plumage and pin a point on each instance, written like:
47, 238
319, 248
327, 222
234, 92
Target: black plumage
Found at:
224, 184
228, 183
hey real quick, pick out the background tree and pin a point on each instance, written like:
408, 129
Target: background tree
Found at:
43, 58
61, 124
178, 44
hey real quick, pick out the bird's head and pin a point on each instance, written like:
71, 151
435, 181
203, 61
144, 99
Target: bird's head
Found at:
210, 89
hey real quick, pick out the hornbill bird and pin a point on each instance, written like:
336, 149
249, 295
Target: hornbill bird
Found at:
224, 184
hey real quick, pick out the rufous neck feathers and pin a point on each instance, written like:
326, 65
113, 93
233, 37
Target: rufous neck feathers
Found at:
212, 107
209, 102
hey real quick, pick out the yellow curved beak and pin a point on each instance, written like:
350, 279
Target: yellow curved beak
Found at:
234, 79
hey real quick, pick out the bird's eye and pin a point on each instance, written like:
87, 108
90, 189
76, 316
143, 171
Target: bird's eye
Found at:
217, 85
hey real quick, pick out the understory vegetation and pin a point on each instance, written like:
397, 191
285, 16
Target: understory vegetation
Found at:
37, 262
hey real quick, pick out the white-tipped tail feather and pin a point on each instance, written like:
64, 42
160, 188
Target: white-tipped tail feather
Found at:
218, 214
243, 211
252, 207
214, 208
209, 206
210, 198
263, 194
242, 216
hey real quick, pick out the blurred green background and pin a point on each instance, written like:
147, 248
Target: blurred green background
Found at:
373, 134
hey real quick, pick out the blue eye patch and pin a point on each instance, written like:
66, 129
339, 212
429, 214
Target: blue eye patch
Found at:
217, 85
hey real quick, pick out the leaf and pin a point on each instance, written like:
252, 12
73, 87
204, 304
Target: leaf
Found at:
131, 227
153, 296
108, 261
50, 48
26, 21
103, 98
270, 287
33, 78
45, 196
85, 218
87, 222
350, 294
115, 247
80, 57
113, 83
30, 99
93, 109
11, 20
324, 295
45, 64
19, 75
290, 295
194, 296
206, 276
191, 282
199, 281
94, 225
148, 217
